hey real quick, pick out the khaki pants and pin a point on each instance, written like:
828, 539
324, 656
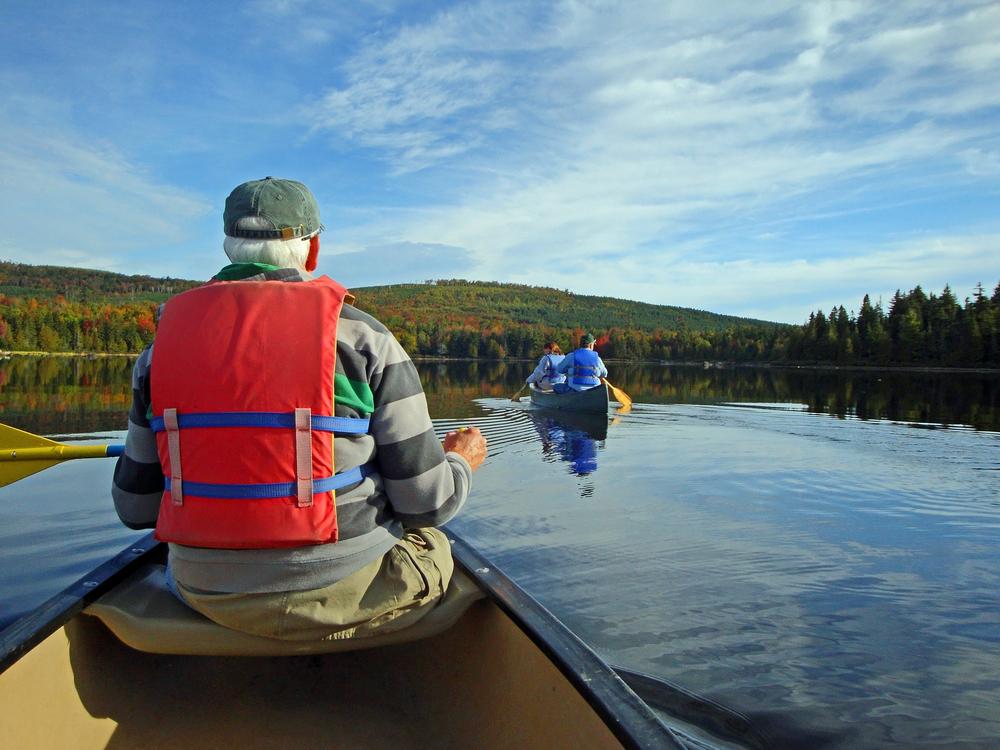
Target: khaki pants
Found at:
387, 594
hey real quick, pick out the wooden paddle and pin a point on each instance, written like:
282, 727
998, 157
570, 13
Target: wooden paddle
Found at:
619, 395
517, 396
23, 454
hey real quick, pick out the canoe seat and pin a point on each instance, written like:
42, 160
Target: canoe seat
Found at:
143, 614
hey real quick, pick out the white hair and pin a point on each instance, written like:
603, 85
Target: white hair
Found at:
282, 253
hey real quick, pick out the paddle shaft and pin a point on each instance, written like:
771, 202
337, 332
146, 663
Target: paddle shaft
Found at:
23, 454
60, 452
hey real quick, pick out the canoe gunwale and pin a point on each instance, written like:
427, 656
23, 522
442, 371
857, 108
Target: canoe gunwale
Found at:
625, 714
628, 717
28, 631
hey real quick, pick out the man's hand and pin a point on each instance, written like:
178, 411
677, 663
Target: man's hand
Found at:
469, 443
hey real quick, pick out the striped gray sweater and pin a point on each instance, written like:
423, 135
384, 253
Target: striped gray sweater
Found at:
415, 482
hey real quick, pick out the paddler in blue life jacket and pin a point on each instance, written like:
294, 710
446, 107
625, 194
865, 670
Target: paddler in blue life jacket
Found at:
544, 376
583, 367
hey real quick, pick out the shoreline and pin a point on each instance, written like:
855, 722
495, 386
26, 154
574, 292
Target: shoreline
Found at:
705, 365
86, 355
816, 366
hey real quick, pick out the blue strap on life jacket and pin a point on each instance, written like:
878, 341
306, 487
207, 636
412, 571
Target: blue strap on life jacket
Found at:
286, 420
550, 368
281, 420
585, 368
272, 490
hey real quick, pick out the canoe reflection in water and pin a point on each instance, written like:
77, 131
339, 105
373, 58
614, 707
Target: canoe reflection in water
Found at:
574, 437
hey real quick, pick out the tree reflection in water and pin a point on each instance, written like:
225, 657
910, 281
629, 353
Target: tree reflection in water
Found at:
60, 395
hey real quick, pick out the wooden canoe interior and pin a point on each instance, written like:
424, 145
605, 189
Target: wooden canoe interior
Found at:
481, 684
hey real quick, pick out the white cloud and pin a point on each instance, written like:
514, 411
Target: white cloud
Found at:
981, 162
54, 255
637, 126
69, 201
429, 92
396, 263
279, 7
789, 290
642, 149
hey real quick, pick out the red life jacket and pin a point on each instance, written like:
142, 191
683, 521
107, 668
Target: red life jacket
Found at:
242, 381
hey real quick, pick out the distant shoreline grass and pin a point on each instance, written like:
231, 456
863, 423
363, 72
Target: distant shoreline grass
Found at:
703, 364
89, 355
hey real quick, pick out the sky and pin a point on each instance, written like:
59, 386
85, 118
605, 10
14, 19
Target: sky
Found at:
756, 159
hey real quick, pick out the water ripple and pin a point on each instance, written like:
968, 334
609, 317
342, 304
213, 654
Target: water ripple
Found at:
834, 580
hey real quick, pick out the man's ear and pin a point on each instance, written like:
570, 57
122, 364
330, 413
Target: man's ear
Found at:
313, 253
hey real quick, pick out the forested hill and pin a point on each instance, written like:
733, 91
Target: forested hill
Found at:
45, 282
55, 309
455, 301
451, 301
52, 308
493, 320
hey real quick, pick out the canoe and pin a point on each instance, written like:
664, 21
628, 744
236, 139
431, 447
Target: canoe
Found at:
593, 400
489, 667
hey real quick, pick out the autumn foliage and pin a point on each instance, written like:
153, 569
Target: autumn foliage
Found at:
44, 308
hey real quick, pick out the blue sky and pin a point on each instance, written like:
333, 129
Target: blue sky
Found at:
754, 162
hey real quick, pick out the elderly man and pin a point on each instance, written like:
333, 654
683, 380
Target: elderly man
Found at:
279, 440
582, 367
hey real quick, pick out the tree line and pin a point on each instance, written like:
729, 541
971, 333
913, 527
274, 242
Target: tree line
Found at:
918, 329
61, 325
492, 321
25, 280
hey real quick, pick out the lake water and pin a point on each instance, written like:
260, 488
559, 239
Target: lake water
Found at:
816, 550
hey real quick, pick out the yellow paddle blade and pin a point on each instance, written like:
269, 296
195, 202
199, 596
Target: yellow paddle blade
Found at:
12, 471
618, 394
23, 454
517, 396
12, 440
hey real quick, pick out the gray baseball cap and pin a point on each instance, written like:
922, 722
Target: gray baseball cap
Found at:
287, 205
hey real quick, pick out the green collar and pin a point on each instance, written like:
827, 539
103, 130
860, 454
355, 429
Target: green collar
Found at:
237, 271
